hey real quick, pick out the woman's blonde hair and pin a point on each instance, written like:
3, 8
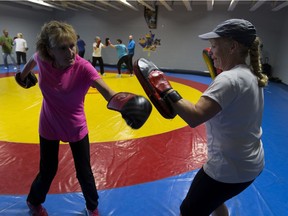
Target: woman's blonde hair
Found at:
255, 62
51, 35
20, 35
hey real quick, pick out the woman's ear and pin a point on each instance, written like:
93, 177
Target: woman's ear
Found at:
234, 46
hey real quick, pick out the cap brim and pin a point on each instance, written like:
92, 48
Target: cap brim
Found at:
209, 35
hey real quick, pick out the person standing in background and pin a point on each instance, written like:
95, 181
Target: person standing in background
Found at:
20, 49
7, 44
81, 46
122, 54
131, 50
97, 54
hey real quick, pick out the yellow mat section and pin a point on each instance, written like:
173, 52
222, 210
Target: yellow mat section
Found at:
20, 108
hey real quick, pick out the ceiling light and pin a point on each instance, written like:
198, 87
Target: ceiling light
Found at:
40, 2
128, 4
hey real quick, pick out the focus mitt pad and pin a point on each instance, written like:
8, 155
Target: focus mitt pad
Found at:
29, 81
134, 109
156, 87
107, 41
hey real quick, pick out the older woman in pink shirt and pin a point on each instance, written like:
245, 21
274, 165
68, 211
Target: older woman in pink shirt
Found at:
64, 80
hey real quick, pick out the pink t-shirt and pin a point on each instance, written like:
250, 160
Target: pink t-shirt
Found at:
62, 114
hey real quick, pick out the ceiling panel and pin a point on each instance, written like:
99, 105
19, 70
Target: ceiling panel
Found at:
137, 5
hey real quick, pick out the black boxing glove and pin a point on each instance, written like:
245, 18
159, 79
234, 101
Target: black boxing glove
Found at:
135, 109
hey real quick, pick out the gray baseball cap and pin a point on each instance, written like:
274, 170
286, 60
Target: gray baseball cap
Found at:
238, 29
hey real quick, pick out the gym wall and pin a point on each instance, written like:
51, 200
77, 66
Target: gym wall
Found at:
178, 30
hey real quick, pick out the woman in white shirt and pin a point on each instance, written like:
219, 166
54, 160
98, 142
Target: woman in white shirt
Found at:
97, 54
20, 49
232, 109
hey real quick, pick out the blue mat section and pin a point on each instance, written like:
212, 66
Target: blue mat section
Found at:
159, 198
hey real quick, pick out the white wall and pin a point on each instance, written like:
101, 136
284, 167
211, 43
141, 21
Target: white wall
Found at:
178, 30
281, 63
28, 22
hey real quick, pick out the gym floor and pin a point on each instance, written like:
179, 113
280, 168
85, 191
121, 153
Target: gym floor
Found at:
144, 172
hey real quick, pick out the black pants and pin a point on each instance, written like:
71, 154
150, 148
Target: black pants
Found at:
81, 53
124, 59
130, 57
206, 194
101, 64
49, 150
21, 55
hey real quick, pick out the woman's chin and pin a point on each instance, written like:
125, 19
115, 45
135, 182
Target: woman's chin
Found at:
70, 62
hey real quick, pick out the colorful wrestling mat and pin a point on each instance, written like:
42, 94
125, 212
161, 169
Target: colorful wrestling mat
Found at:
144, 172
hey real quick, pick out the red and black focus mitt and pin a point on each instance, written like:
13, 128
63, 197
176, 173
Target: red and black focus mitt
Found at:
135, 109
157, 87
107, 41
29, 81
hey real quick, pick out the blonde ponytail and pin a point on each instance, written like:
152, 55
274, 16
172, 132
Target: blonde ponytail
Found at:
254, 52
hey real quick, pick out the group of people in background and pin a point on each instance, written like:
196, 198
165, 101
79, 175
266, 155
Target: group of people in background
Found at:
7, 44
125, 53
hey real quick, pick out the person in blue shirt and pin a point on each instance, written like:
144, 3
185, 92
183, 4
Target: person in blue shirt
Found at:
122, 53
81, 46
131, 50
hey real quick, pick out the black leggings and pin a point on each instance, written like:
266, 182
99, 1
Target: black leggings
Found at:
124, 59
206, 194
101, 64
130, 58
21, 55
49, 150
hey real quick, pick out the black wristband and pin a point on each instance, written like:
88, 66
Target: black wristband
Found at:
173, 96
